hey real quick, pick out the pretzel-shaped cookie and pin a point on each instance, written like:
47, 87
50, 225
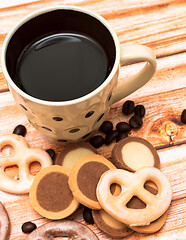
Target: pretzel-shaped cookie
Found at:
23, 156
132, 184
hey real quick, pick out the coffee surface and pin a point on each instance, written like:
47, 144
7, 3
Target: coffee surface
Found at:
62, 67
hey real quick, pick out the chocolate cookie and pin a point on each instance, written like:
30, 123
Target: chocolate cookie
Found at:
84, 177
4, 223
73, 152
64, 228
50, 194
133, 153
109, 225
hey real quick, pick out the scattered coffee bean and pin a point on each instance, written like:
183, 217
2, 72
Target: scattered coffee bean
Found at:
123, 127
139, 110
110, 137
121, 136
51, 153
183, 116
135, 122
28, 227
97, 141
20, 130
87, 215
106, 127
128, 107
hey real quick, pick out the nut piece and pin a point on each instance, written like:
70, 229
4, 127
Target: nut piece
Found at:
73, 152
133, 153
50, 194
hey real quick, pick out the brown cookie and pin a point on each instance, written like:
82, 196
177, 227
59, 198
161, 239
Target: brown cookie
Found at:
4, 223
133, 153
50, 194
64, 228
84, 177
109, 225
73, 152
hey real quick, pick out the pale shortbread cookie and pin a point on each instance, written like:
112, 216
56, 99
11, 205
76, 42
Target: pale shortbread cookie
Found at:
22, 156
73, 152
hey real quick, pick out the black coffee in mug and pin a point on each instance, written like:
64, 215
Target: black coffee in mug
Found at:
62, 67
60, 55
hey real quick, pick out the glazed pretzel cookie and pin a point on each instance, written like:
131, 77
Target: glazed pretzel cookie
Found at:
63, 228
23, 156
132, 184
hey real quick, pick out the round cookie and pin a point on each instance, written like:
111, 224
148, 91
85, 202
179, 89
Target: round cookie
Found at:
64, 228
4, 223
50, 194
84, 177
109, 225
73, 152
133, 153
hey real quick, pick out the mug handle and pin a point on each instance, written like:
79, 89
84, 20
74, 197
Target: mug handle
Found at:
137, 53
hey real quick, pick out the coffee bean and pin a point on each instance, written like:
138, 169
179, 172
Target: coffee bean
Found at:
106, 127
121, 136
135, 122
97, 141
87, 215
20, 130
128, 107
123, 127
139, 110
28, 227
183, 116
110, 137
51, 153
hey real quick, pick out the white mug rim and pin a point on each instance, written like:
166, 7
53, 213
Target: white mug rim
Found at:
69, 102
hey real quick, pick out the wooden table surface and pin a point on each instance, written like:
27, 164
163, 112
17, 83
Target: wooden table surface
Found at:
159, 24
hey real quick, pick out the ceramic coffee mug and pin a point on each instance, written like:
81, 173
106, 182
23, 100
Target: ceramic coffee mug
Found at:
77, 119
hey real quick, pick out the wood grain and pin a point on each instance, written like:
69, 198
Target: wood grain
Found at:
160, 25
